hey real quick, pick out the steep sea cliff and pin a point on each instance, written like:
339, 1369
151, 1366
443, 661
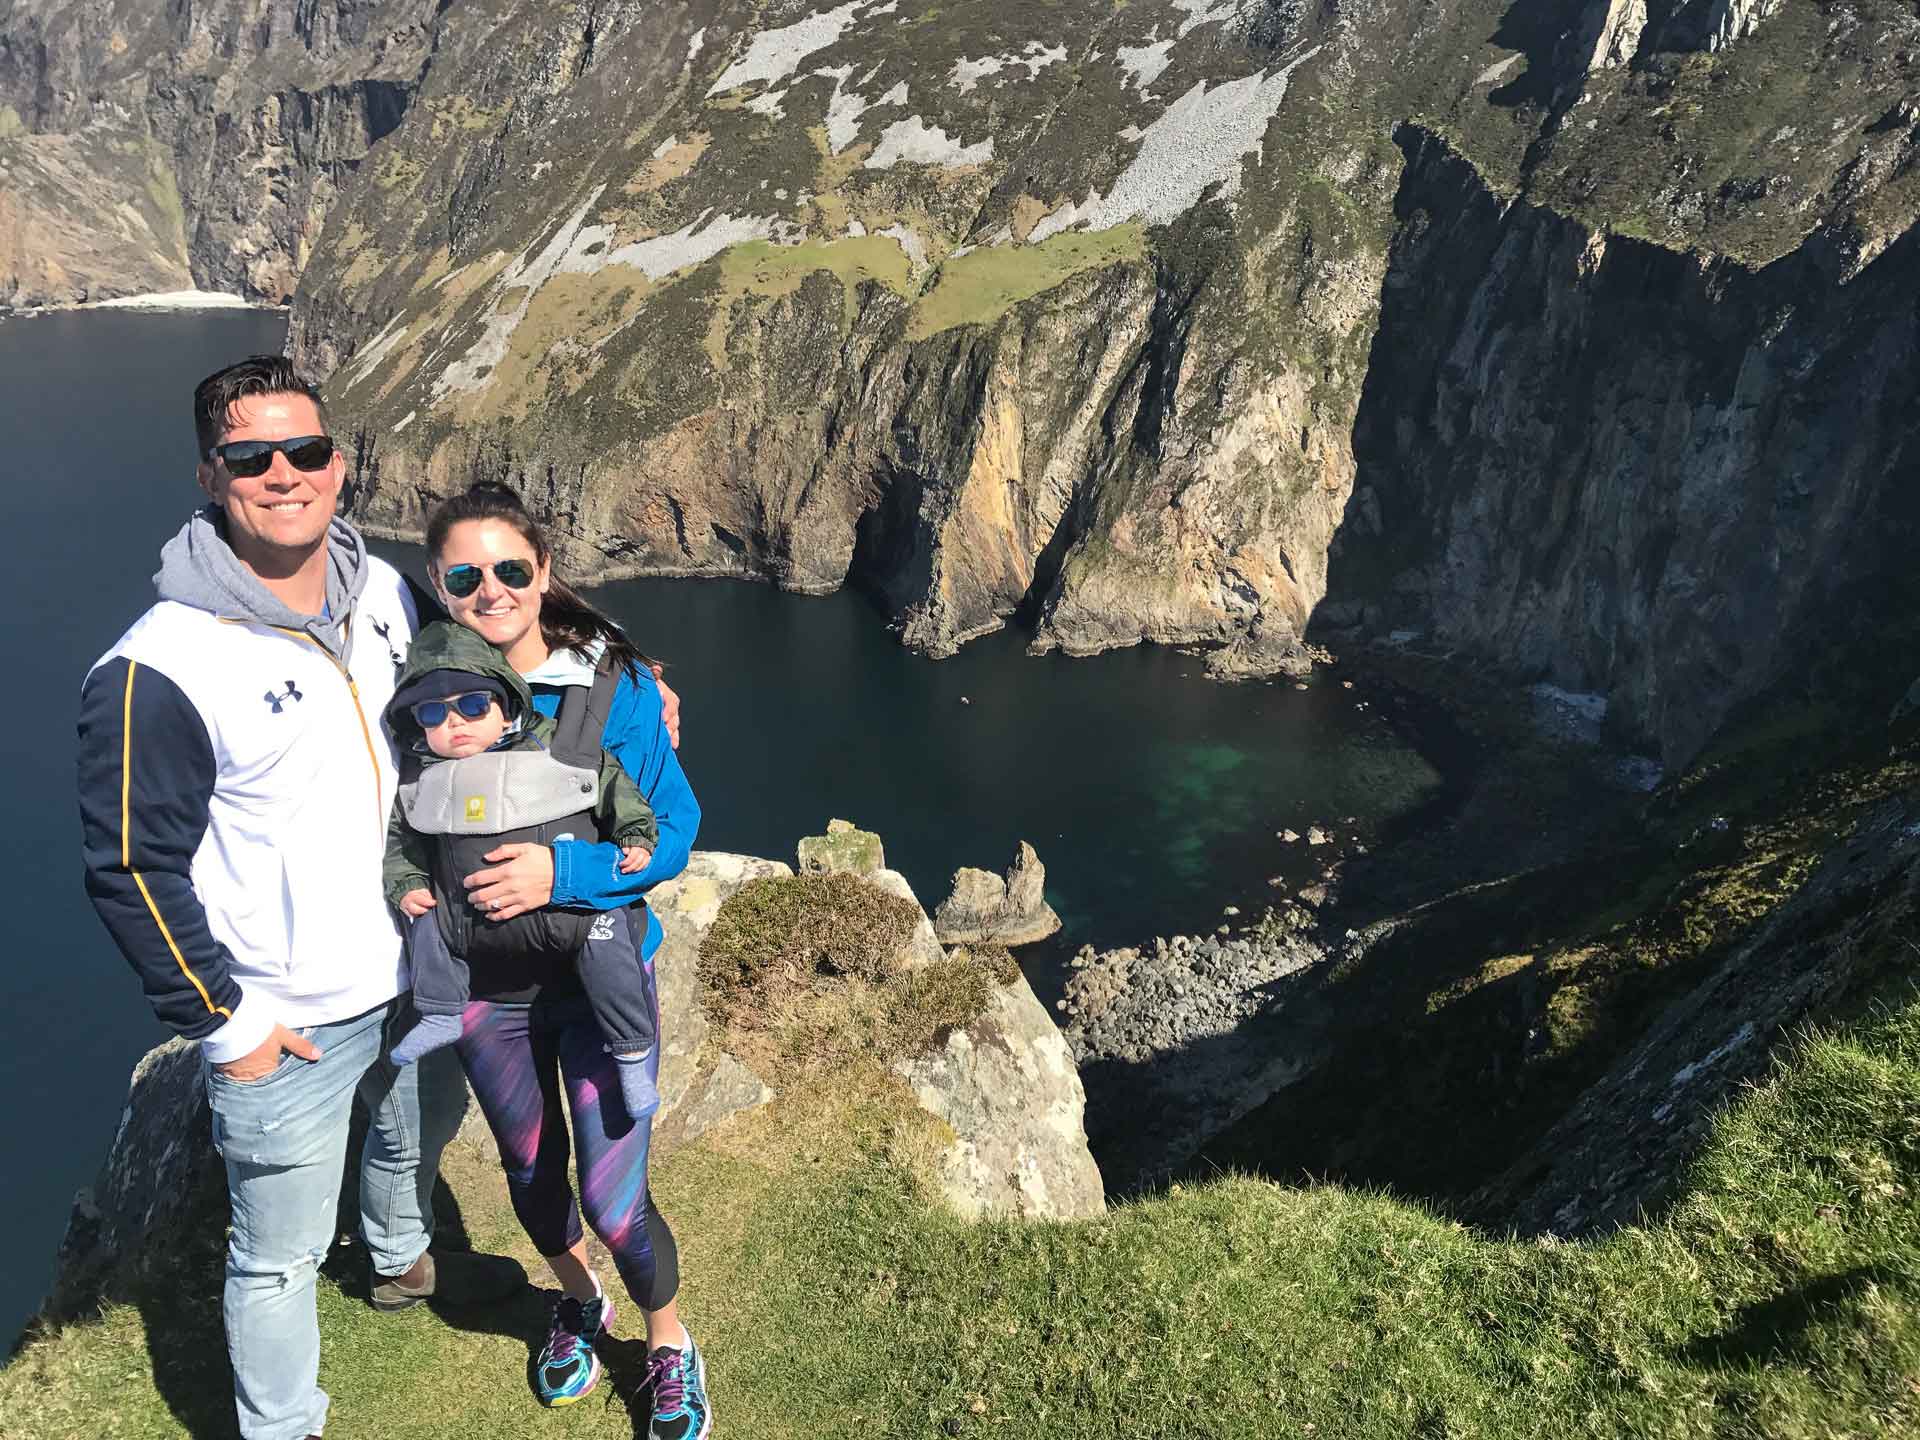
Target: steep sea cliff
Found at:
1567, 338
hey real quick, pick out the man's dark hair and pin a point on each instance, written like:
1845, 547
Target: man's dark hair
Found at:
214, 396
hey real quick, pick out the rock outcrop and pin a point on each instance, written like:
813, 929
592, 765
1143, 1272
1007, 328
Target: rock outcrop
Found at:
994, 909
844, 850
160, 1169
686, 906
848, 850
1007, 1088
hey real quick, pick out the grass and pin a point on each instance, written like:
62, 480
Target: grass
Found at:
985, 283
808, 975
1778, 1299
766, 271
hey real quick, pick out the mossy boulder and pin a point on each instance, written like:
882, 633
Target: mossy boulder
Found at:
844, 850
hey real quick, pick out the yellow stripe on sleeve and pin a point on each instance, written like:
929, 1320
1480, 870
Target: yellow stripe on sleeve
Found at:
126, 846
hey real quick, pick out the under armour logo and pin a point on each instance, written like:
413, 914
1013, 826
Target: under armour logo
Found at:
278, 701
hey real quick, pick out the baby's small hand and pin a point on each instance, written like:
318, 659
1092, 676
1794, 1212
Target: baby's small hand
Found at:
416, 903
634, 858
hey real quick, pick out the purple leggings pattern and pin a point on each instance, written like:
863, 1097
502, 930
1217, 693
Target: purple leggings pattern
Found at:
518, 1058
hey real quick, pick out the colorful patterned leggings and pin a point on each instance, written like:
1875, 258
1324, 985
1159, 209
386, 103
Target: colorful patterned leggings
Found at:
517, 1058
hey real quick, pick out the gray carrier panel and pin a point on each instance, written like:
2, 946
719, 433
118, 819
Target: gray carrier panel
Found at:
498, 791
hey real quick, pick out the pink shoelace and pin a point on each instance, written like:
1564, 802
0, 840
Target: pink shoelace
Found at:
667, 1374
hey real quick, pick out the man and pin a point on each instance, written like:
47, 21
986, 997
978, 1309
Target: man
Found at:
234, 793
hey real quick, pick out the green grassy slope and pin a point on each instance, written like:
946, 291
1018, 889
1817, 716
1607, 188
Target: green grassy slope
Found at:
1777, 1298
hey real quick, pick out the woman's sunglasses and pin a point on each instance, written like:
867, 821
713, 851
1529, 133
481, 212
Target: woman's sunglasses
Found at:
431, 714
246, 458
463, 580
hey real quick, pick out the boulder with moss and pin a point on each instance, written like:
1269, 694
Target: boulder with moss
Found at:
848, 850
844, 850
1006, 1085
816, 978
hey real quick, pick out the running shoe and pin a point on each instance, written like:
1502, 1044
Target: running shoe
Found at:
567, 1369
679, 1382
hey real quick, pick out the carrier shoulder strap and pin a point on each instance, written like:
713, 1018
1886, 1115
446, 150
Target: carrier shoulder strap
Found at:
581, 726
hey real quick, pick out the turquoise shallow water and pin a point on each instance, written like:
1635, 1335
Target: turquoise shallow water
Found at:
1152, 795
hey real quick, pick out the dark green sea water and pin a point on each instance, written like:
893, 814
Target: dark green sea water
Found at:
1152, 795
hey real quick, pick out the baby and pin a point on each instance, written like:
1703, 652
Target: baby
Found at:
484, 769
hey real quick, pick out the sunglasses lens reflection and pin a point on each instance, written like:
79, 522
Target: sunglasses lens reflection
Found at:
245, 459
462, 580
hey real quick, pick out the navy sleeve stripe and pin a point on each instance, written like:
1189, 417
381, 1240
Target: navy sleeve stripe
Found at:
146, 777
126, 845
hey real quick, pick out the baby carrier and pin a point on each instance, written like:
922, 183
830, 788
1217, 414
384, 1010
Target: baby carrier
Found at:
524, 792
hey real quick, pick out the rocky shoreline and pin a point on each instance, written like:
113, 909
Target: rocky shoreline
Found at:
1137, 1003
1177, 1039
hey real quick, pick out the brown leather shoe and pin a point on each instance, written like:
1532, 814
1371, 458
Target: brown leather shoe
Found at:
457, 1277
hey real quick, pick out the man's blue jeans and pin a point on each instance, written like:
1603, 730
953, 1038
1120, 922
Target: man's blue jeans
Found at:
284, 1140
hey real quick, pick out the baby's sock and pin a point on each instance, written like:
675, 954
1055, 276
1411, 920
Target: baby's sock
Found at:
636, 1086
429, 1033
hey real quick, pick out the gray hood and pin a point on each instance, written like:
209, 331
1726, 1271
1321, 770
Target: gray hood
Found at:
199, 568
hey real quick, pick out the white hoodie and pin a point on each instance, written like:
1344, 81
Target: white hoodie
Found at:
235, 789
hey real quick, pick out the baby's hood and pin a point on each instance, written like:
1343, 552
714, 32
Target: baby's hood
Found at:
444, 645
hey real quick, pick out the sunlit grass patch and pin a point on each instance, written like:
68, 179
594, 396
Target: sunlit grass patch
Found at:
985, 283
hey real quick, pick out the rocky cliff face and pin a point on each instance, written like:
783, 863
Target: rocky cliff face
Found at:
193, 145
1663, 477
863, 295
1541, 331
1619, 1153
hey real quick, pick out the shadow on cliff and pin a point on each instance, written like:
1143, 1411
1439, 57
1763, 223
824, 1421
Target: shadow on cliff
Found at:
1540, 33
1548, 1051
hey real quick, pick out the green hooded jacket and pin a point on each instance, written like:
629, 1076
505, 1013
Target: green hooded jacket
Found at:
621, 814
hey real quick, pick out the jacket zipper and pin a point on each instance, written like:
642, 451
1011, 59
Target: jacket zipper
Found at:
353, 689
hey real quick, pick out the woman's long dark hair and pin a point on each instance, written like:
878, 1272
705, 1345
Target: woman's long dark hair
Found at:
566, 621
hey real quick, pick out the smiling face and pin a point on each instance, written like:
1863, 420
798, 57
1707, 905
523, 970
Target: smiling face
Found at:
276, 522
507, 617
456, 737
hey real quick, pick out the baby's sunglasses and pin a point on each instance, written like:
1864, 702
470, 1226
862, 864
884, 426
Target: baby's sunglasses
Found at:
462, 580
431, 714
247, 458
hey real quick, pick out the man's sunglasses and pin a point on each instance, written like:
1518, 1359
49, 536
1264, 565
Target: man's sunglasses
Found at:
246, 458
462, 580
433, 713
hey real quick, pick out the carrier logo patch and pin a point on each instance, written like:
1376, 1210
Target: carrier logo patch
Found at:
476, 809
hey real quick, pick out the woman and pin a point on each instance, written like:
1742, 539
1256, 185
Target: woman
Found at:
528, 1036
